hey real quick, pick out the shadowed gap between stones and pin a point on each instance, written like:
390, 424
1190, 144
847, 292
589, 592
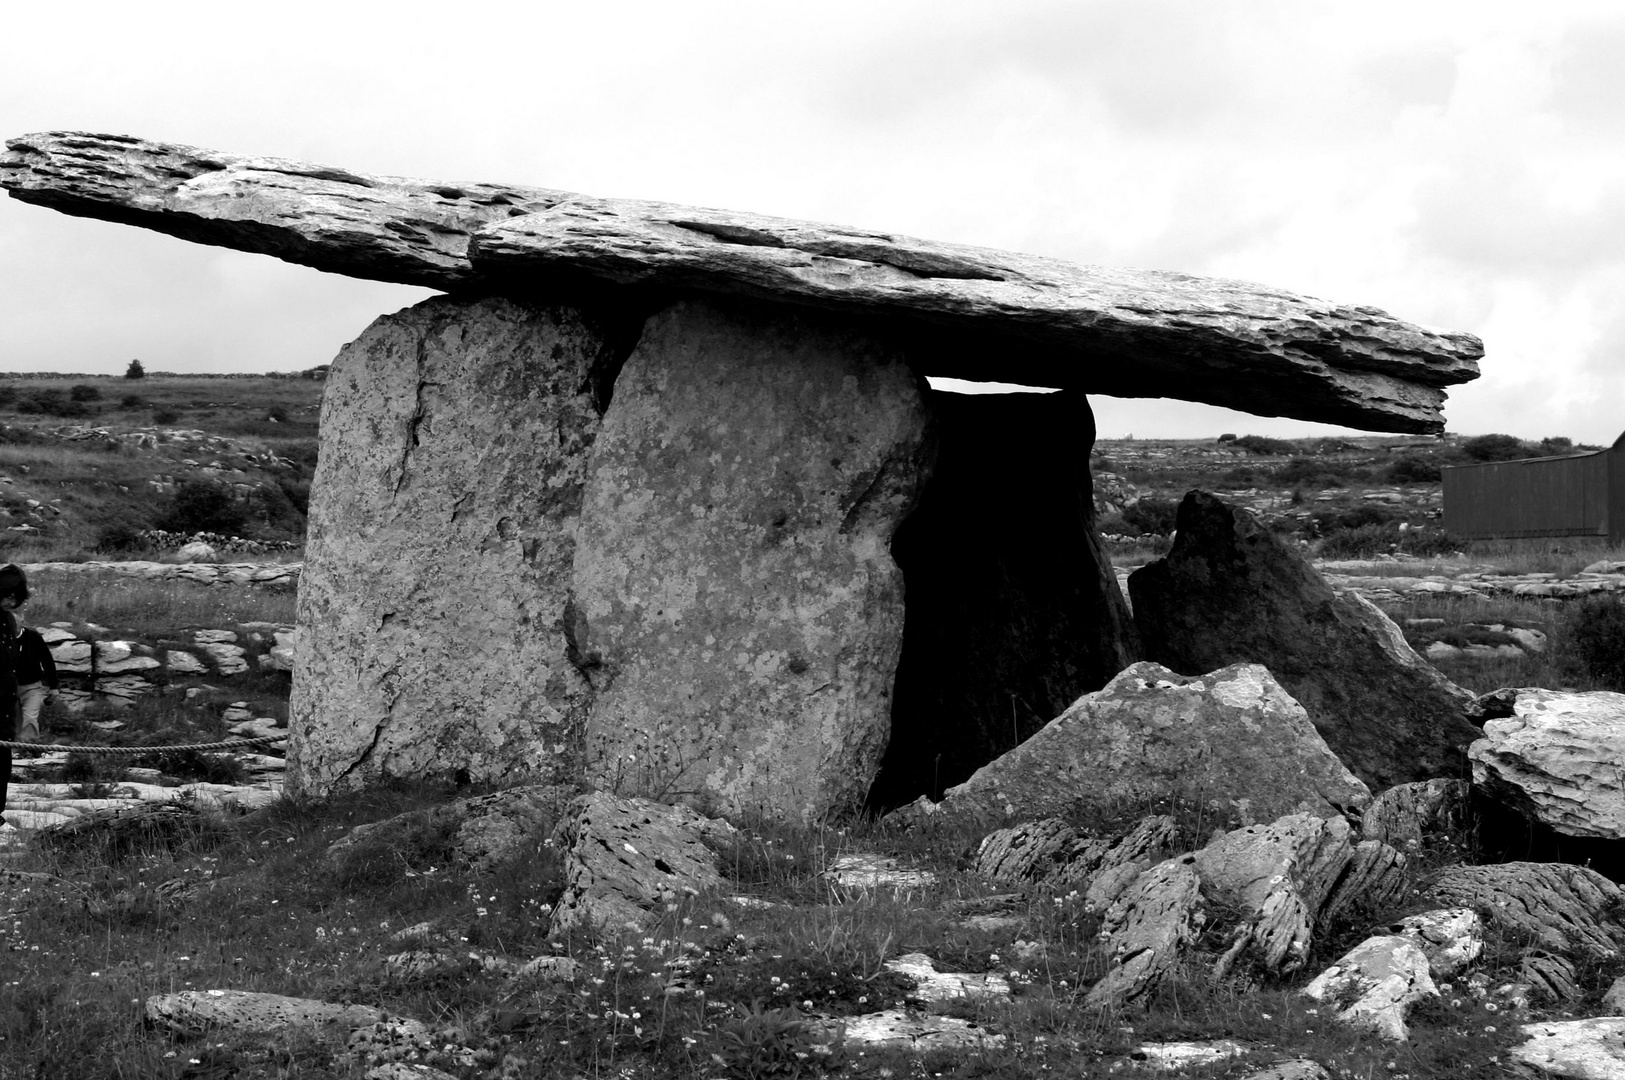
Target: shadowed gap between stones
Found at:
1011, 610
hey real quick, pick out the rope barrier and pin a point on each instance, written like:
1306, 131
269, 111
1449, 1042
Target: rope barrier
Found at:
227, 744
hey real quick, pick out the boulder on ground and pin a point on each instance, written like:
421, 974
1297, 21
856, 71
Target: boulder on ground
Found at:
1566, 909
1147, 931
478, 834
1232, 592
193, 1012
627, 860
1426, 813
1278, 876
1232, 741
1374, 983
1557, 760
1591, 1049
1052, 854
1451, 938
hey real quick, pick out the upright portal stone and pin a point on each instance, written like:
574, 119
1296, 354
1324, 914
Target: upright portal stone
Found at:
736, 604
454, 445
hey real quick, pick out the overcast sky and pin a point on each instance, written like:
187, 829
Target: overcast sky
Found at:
1458, 164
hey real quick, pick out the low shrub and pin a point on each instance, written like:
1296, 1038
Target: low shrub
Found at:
51, 402
1151, 516
1496, 448
203, 506
1360, 542
1593, 632
1260, 444
1413, 470
83, 392
1308, 472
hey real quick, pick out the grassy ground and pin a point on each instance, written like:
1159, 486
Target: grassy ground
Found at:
68, 490
251, 904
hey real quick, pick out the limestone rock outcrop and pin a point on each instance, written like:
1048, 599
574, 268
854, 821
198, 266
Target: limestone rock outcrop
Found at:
1278, 876
1557, 759
441, 536
1231, 592
481, 833
625, 860
1374, 983
1094, 329
1232, 737
1566, 909
1147, 931
734, 602
1592, 1049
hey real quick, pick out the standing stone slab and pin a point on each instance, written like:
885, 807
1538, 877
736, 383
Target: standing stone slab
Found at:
454, 444
736, 604
1232, 592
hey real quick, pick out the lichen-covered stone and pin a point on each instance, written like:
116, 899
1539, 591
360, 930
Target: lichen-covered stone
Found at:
1147, 930
1567, 909
1557, 760
1279, 876
442, 528
1232, 740
1233, 592
626, 859
1375, 983
735, 601
191, 1012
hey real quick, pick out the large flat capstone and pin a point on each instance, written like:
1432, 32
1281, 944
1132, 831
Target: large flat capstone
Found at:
985, 314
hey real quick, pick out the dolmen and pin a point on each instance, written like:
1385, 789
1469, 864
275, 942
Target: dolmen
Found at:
659, 497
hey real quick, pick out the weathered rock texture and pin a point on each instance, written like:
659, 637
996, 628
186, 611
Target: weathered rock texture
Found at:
625, 860
1427, 813
1567, 909
1052, 854
479, 834
1231, 592
1374, 983
1147, 931
442, 516
1558, 760
1232, 738
1278, 876
1012, 607
1121, 332
736, 606
1591, 1049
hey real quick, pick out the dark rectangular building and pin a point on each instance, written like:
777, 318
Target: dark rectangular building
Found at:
1571, 495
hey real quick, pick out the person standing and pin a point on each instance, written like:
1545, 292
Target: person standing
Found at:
36, 681
13, 594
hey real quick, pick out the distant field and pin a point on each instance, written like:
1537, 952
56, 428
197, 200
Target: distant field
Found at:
87, 462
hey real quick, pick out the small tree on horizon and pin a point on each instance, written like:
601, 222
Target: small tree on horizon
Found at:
135, 370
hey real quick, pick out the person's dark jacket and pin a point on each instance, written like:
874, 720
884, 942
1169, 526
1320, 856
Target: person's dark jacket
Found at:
34, 663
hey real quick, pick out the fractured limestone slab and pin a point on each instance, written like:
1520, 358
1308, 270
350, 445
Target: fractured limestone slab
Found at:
991, 315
